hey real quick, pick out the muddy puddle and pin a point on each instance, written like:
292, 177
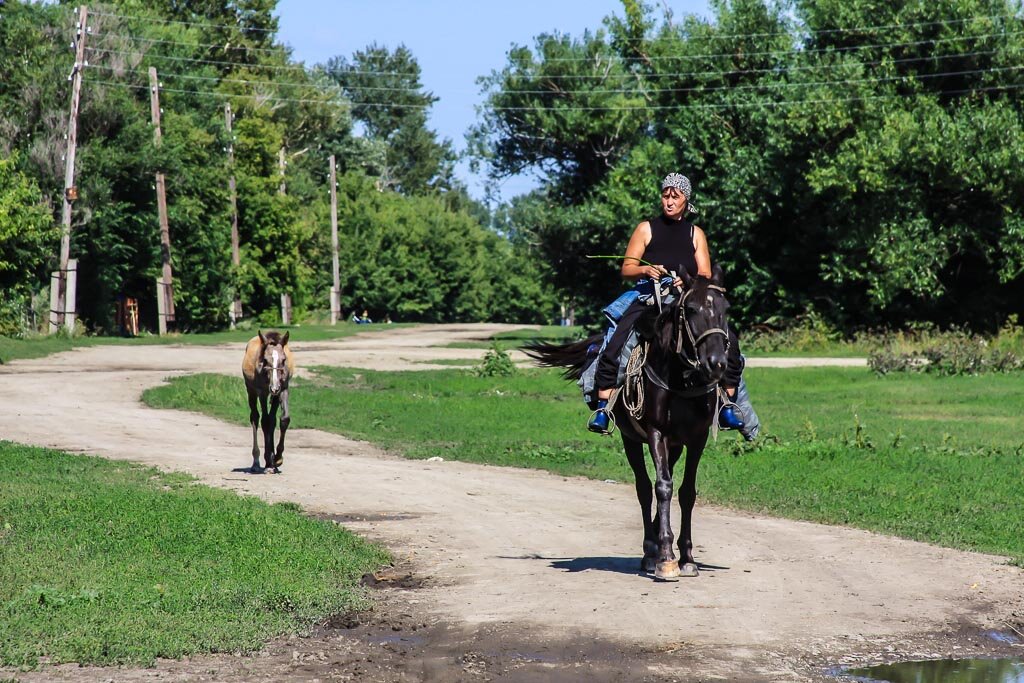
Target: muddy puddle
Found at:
943, 671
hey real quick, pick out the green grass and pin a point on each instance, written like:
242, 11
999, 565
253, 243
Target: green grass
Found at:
109, 563
938, 459
37, 347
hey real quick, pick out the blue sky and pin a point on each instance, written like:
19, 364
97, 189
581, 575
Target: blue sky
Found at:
455, 42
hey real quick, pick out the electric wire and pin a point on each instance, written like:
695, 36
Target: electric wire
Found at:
558, 77
722, 36
566, 108
635, 91
614, 57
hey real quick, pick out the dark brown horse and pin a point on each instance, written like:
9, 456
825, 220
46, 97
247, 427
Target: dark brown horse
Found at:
685, 344
267, 367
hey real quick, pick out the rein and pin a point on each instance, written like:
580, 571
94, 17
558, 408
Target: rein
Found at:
694, 341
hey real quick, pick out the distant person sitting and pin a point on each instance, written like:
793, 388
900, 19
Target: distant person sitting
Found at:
364, 319
387, 319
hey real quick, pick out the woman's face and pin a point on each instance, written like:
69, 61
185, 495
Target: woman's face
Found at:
673, 202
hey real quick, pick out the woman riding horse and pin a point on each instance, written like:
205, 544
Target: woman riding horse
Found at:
668, 239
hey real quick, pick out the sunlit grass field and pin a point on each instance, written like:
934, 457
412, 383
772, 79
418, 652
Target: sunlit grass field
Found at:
938, 459
107, 562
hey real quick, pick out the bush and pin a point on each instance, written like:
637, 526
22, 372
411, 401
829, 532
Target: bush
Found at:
951, 353
496, 363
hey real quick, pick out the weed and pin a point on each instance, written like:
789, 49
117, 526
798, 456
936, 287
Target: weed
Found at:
496, 363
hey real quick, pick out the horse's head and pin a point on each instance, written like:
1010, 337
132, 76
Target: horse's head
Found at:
273, 361
695, 327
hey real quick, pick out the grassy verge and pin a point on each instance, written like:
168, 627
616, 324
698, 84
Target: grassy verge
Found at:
37, 347
105, 562
937, 459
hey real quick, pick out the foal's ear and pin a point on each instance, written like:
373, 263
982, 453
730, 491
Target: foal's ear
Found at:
263, 340
284, 339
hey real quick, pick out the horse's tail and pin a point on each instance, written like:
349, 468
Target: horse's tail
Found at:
574, 357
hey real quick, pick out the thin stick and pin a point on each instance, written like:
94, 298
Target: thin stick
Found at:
617, 257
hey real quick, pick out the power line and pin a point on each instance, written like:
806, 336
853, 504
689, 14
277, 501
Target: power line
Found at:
557, 77
215, 62
642, 107
162, 41
183, 23
636, 91
770, 104
797, 50
722, 36
865, 29
611, 57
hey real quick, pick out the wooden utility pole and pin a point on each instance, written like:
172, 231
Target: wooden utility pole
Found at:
62, 308
286, 299
282, 189
336, 289
236, 261
165, 285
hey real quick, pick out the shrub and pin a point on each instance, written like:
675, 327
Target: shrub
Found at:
496, 363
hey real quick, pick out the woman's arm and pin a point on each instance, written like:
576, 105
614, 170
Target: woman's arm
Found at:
703, 256
632, 268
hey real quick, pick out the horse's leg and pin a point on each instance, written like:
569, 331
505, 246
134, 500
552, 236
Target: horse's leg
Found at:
285, 421
644, 494
667, 567
254, 420
269, 422
687, 497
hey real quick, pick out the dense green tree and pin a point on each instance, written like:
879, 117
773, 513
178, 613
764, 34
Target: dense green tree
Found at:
27, 238
388, 99
847, 159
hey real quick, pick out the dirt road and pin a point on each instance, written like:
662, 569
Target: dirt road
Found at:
518, 575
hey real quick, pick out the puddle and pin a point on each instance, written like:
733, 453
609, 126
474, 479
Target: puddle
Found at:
398, 640
944, 671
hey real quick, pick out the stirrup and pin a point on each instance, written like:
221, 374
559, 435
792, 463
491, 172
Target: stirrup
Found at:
728, 417
602, 422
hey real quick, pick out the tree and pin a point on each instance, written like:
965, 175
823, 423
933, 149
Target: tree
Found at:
388, 99
27, 238
819, 137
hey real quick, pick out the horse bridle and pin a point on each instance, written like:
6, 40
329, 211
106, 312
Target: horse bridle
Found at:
694, 341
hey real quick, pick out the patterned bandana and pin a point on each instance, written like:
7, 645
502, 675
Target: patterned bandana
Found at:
678, 181
681, 183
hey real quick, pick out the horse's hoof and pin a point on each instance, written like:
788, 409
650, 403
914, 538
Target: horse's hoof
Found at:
648, 565
667, 570
276, 470
256, 469
689, 569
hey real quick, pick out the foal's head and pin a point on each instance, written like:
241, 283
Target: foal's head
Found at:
695, 328
273, 361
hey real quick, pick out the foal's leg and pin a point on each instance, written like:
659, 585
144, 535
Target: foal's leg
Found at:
644, 494
254, 420
687, 497
269, 422
285, 421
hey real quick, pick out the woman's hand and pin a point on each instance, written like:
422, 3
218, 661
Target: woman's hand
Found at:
654, 272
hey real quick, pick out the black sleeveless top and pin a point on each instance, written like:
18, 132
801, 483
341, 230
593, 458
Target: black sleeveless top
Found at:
671, 245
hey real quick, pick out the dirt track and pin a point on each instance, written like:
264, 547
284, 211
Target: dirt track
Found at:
525, 575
